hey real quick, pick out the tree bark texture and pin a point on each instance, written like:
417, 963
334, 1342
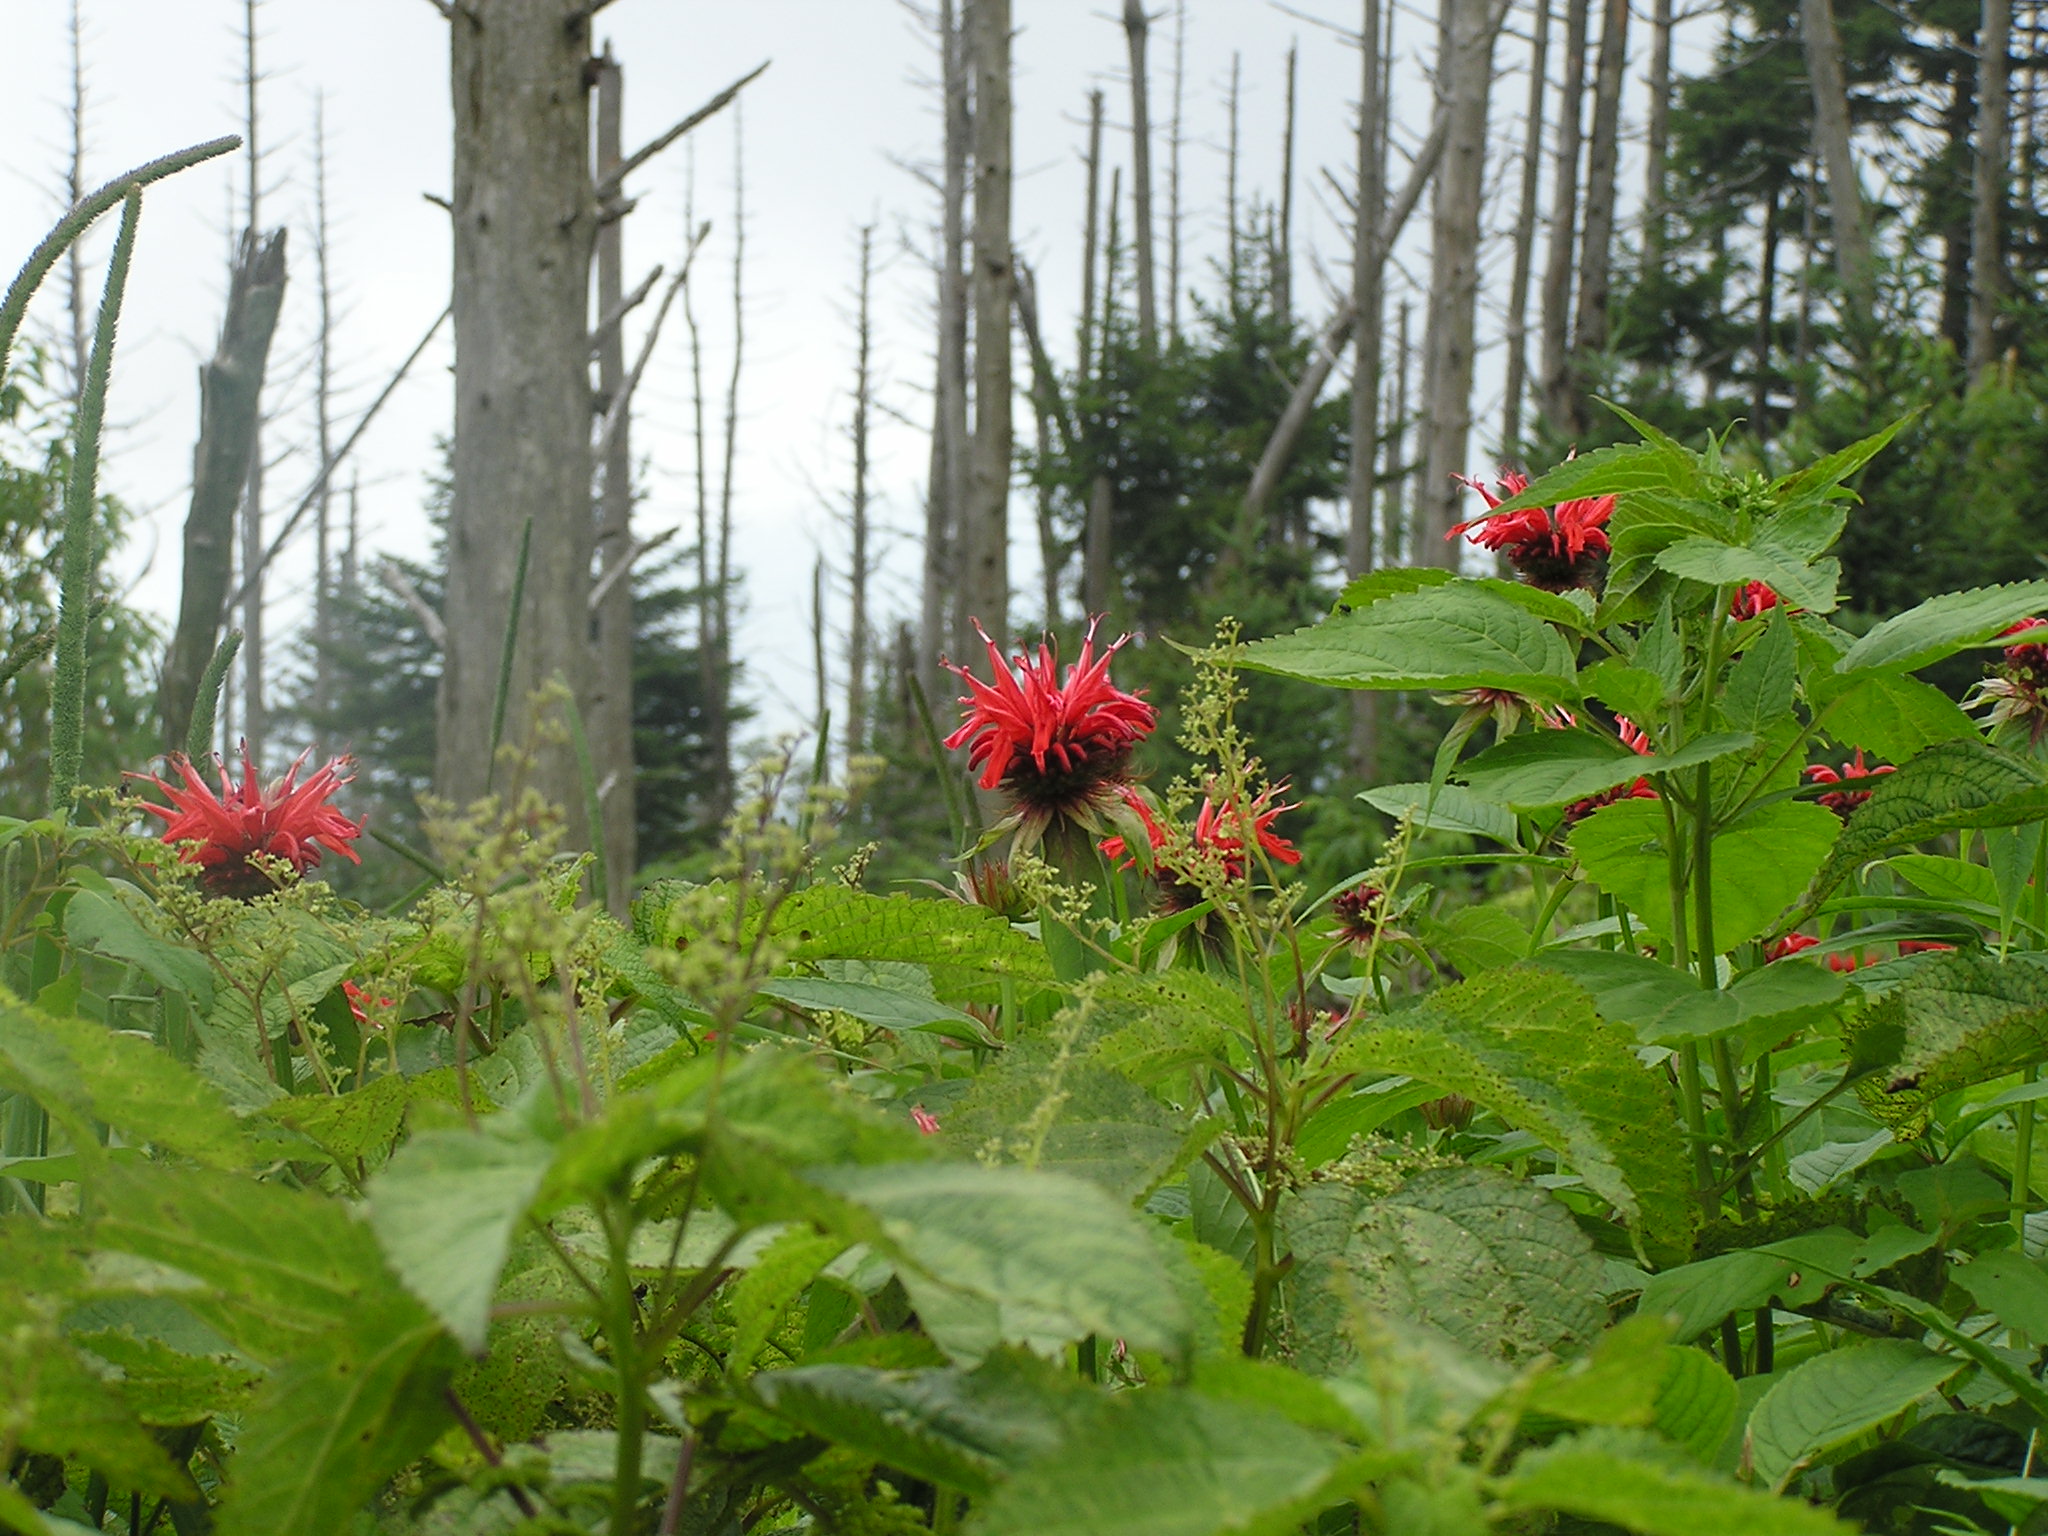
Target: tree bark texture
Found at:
1845, 193
1554, 376
943, 612
857, 575
1283, 253
1603, 154
1657, 141
987, 578
1367, 303
230, 387
611, 702
524, 220
1136, 28
1525, 239
1467, 72
1987, 183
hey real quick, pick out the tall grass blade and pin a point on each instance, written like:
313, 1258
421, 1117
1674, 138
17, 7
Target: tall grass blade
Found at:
81, 495
505, 652
199, 735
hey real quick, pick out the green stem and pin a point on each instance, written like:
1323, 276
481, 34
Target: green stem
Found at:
621, 1326
199, 735
1562, 888
2022, 1158
81, 497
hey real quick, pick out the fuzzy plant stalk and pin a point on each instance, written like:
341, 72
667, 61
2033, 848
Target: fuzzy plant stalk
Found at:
14, 308
199, 735
81, 493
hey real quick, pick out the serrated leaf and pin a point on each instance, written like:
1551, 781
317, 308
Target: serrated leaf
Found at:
97, 920
1965, 1018
1948, 787
1668, 1007
1529, 1046
1047, 1245
1452, 809
1946, 878
771, 1285
1454, 636
1168, 1463
1833, 1397
57, 1406
1614, 470
1389, 581
1759, 690
361, 1127
884, 1006
1634, 692
1497, 1265
1148, 1026
1696, 1403
1761, 864
1626, 1482
1943, 625
82, 1072
164, 1386
1540, 768
1805, 584
2012, 1287
1826, 473
1888, 714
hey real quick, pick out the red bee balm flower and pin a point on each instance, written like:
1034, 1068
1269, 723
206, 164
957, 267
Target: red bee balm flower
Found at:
1637, 740
1844, 801
289, 821
2017, 688
1753, 601
1058, 747
1218, 829
1554, 548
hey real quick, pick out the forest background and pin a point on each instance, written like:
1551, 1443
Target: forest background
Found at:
1675, 243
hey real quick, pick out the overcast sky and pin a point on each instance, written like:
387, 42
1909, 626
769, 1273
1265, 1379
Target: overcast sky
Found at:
827, 133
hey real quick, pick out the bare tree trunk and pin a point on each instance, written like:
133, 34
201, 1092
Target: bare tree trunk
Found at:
1657, 141
1802, 324
857, 576
1467, 73
1845, 192
255, 715
351, 573
1367, 266
1084, 364
1987, 183
1395, 477
1596, 246
707, 611
229, 386
1554, 365
1053, 432
720, 712
524, 221
1173, 143
821, 709
1230, 187
1766, 314
323, 428
1098, 569
1525, 239
987, 578
611, 702
944, 611
77, 303
1136, 27
1283, 255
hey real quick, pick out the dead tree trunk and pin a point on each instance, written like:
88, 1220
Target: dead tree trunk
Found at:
1987, 183
1596, 246
1657, 142
942, 614
1525, 239
719, 705
229, 389
1367, 265
1554, 375
857, 511
1098, 560
1236, 263
1283, 254
77, 304
255, 714
1136, 28
1467, 75
1766, 317
1090, 241
1845, 192
1173, 143
323, 428
1053, 432
611, 695
524, 219
1395, 477
986, 582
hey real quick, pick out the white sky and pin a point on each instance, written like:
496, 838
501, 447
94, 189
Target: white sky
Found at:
825, 131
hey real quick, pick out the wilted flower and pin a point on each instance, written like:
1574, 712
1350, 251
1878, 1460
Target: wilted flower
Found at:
2017, 688
1219, 829
1553, 547
288, 820
1360, 913
1507, 708
1452, 1112
1844, 801
926, 1121
356, 998
1057, 747
1753, 601
1637, 740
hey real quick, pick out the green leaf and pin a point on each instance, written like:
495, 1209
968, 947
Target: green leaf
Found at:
1943, 625
765, 1293
1609, 471
1625, 1481
1531, 1048
1826, 473
1154, 1025
1833, 1397
1169, 1463
1497, 1265
165, 1386
1758, 694
1479, 938
1620, 1382
1454, 809
883, 1006
1541, 768
1668, 1007
1760, 864
1965, 1018
1946, 788
1696, 1403
81, 1072
959, 1429
1808, 584
1449, 637
361, 1127
337, 1422
2011, 1286
444, 1210
1329, 1131
1889, 714
1389, 581
60, 1407
1946, 878
1051, 1249
830, 921
1695, 1297
97, 920
1634, 692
